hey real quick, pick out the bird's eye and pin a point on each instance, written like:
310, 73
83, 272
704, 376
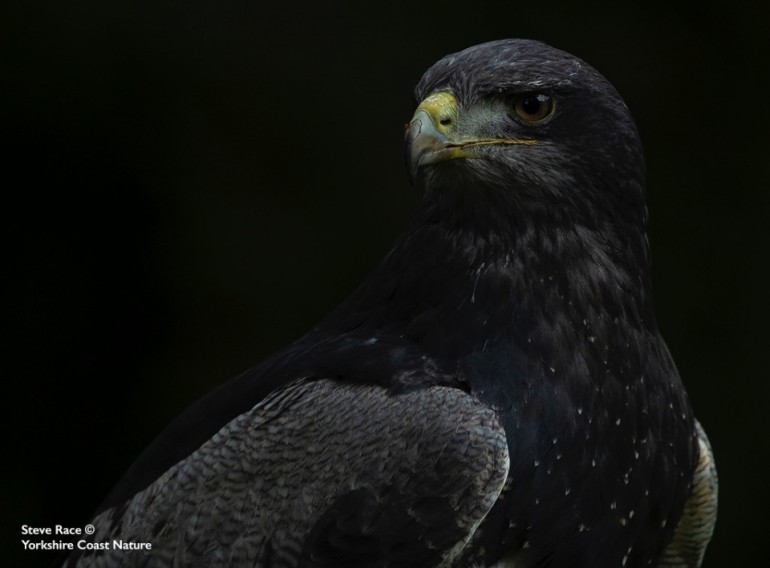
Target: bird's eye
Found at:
533, 108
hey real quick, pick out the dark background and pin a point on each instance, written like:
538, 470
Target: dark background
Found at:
189, 186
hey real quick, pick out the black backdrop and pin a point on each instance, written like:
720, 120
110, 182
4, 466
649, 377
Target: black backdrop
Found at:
190, 185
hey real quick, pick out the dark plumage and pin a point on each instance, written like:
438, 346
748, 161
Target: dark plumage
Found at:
496, 391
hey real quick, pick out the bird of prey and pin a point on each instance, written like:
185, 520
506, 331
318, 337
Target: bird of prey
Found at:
495, 393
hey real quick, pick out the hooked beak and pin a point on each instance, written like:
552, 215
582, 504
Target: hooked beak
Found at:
435, 135
427, 135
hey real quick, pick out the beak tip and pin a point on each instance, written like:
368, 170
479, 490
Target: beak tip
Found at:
421, 139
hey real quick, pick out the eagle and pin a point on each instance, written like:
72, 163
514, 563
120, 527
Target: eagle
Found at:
495, 393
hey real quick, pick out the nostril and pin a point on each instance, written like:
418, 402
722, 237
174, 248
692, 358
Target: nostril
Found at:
445, 121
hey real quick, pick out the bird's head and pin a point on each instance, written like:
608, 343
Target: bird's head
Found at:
532, 126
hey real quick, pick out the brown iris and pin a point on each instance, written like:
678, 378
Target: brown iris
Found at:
532, 108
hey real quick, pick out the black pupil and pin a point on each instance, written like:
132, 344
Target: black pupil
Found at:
532, 105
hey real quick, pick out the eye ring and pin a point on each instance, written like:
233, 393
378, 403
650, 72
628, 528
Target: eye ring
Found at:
534, 108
